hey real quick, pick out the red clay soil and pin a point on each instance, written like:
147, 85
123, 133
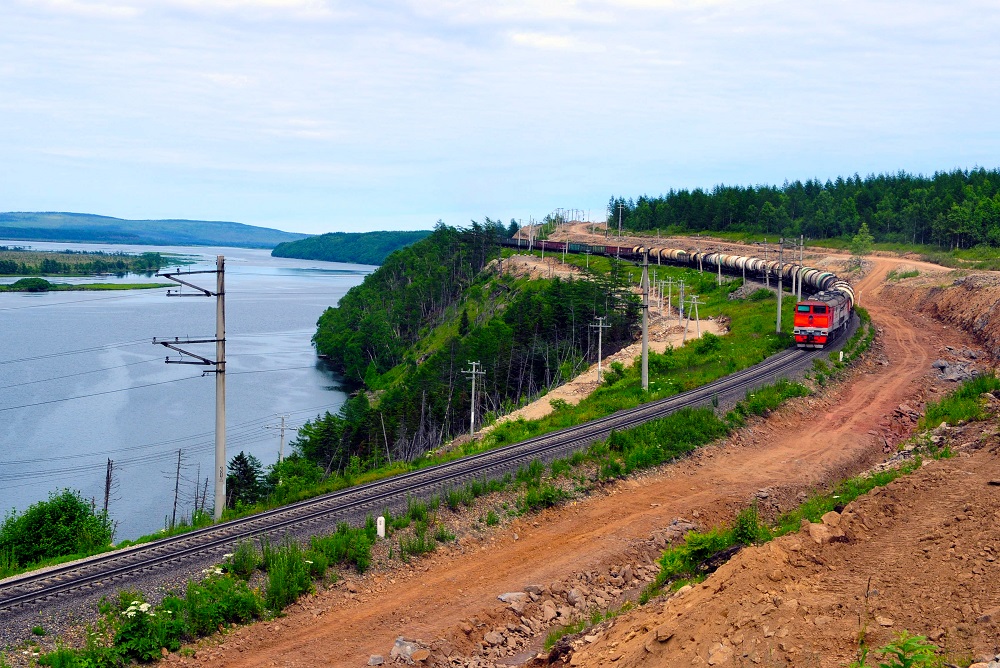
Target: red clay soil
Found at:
809, 443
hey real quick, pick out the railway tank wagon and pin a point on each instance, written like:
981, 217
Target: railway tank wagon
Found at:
818, 319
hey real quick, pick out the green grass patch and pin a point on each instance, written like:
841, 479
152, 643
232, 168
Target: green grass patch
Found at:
965, 403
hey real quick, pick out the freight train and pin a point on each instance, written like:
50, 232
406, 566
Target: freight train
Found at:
818, 319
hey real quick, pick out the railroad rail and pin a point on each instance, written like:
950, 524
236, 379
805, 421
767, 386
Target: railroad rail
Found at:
90, 576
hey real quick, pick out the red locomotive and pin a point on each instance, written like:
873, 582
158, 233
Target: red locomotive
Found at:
820, 318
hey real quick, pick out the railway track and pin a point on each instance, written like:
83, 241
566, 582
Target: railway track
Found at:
92, 576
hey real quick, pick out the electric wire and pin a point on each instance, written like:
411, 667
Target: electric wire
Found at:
80, 373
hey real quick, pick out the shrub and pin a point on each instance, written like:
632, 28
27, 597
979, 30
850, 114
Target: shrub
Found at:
542, 496
244, 560
345, 546
492, 519
65, 524
287, 577
419, 543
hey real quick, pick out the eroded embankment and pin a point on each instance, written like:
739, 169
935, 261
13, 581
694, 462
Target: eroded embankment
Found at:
969, 303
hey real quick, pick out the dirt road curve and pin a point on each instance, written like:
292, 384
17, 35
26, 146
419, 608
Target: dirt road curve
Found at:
814, 440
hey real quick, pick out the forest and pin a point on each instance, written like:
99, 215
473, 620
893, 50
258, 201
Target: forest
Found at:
956, 209
404, 337
16, 261
358, 248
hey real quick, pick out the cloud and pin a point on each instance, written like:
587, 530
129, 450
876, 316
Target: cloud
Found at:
552, 42
130, 9
229, 80
84, 8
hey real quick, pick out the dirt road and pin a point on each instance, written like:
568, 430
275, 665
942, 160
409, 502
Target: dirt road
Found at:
811, 441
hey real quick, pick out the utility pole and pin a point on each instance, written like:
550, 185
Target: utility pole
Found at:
620, 207
107, 485
219, 362
473, 372
645, 319
680, 304
692, 307
670, 291
601, 326
281, 430
781, 249
802, 245
177, 489
767, 272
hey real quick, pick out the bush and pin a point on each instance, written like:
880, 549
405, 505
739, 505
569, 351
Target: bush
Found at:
31, 285
287, 577
542, 496
243, 561
346, 546
61, 526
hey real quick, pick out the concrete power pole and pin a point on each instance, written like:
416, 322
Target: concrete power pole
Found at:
219, 362
601, 326
281, 431
473, 372
645, 319
802, 245
781, 249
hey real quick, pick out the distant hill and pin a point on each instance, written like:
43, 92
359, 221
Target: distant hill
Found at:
85, 227
357, 247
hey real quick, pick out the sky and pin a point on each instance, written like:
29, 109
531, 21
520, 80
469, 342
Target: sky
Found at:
318, 115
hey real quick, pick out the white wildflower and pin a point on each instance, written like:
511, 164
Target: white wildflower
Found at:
226, 556
307, 561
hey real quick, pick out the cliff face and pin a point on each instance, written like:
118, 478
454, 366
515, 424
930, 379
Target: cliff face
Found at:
970, 303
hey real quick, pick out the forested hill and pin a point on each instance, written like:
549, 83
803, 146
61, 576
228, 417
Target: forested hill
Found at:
89, 228
956, 209
360, 248
404, 336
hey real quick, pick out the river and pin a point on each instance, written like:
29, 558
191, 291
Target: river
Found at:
81, 382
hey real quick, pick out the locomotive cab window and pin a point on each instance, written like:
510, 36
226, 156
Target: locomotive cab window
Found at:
819, 309
803, 308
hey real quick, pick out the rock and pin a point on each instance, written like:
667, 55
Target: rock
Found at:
420, 655
884, 621
831, 519
548, 611
627, 574
980, 665
664, 633
575, 597
512, 596
537, 590
939, 364
403, 649
494, 638
719, 654
820, 533
466, 628
375, 660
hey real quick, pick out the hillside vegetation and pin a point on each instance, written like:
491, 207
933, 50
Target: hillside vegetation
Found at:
405, 335
358, 248
90, 228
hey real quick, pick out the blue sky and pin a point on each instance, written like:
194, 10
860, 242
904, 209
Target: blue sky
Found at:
316, 115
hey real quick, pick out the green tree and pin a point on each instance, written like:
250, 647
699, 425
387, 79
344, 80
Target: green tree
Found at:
463, 323
65, 524
862, 243
244, 484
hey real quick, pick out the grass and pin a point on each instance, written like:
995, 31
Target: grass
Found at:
964, 404
896, 275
